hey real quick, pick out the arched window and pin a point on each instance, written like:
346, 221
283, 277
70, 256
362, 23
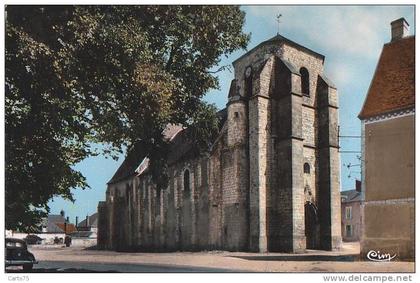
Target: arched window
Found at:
306, 168
304, 81
187, 180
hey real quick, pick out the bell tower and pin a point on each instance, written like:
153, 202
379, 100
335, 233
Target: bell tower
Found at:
290, 114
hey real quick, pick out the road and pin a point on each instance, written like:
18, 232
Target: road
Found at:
76, 259
92, 267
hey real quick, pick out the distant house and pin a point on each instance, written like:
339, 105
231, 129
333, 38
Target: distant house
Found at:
388, 140
88, 227
57, 223
90, 223
49, 223
67, 228
351, 214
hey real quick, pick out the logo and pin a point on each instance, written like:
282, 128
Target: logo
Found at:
378, 256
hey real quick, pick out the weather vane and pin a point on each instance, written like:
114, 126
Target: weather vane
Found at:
278, 23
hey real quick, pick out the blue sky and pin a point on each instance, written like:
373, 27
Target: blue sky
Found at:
350, 37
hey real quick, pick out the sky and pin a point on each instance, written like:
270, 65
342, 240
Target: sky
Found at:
350, 38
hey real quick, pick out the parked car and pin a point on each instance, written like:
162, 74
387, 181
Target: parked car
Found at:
33, 240
17, 254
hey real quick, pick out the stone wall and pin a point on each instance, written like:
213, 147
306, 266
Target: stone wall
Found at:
215, 198
309, 126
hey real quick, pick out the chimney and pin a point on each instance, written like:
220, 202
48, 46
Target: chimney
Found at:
87, 220
68, 219
77, 220
399, 29
62, 213
358, 186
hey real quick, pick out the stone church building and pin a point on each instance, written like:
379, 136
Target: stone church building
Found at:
270, 181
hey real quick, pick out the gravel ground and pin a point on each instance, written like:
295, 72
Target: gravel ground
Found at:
345, 260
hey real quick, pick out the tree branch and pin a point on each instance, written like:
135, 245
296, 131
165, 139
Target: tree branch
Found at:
221, 69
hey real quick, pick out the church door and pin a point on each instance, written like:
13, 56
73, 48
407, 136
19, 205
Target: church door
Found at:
311, 225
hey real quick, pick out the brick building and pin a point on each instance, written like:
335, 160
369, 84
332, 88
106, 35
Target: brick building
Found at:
388, 142
270, 181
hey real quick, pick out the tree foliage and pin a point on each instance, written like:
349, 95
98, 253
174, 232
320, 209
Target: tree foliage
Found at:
77, 75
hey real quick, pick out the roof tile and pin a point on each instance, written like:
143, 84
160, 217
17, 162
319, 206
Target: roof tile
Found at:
392, 87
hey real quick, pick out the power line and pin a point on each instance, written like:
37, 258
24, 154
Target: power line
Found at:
351, 165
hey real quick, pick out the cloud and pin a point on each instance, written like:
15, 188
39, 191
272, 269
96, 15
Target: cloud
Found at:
358, 31
340, 73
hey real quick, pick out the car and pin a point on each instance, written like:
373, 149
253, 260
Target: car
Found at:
17, 254
33, 240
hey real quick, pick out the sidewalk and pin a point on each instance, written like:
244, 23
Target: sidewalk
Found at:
345, 260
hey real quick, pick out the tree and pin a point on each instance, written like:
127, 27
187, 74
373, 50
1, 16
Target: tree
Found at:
77, 75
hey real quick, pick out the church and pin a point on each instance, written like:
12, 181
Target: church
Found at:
269, 183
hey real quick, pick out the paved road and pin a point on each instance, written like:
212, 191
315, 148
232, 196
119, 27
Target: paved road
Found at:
81, 267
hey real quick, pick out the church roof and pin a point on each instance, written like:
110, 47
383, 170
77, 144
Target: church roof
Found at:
135, 155
180, 147
392, 86
279, 38
181, 144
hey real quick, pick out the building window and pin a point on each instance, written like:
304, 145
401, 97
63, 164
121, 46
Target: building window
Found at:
304, 81
187, 180
348, 212
349, 230
306, 168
